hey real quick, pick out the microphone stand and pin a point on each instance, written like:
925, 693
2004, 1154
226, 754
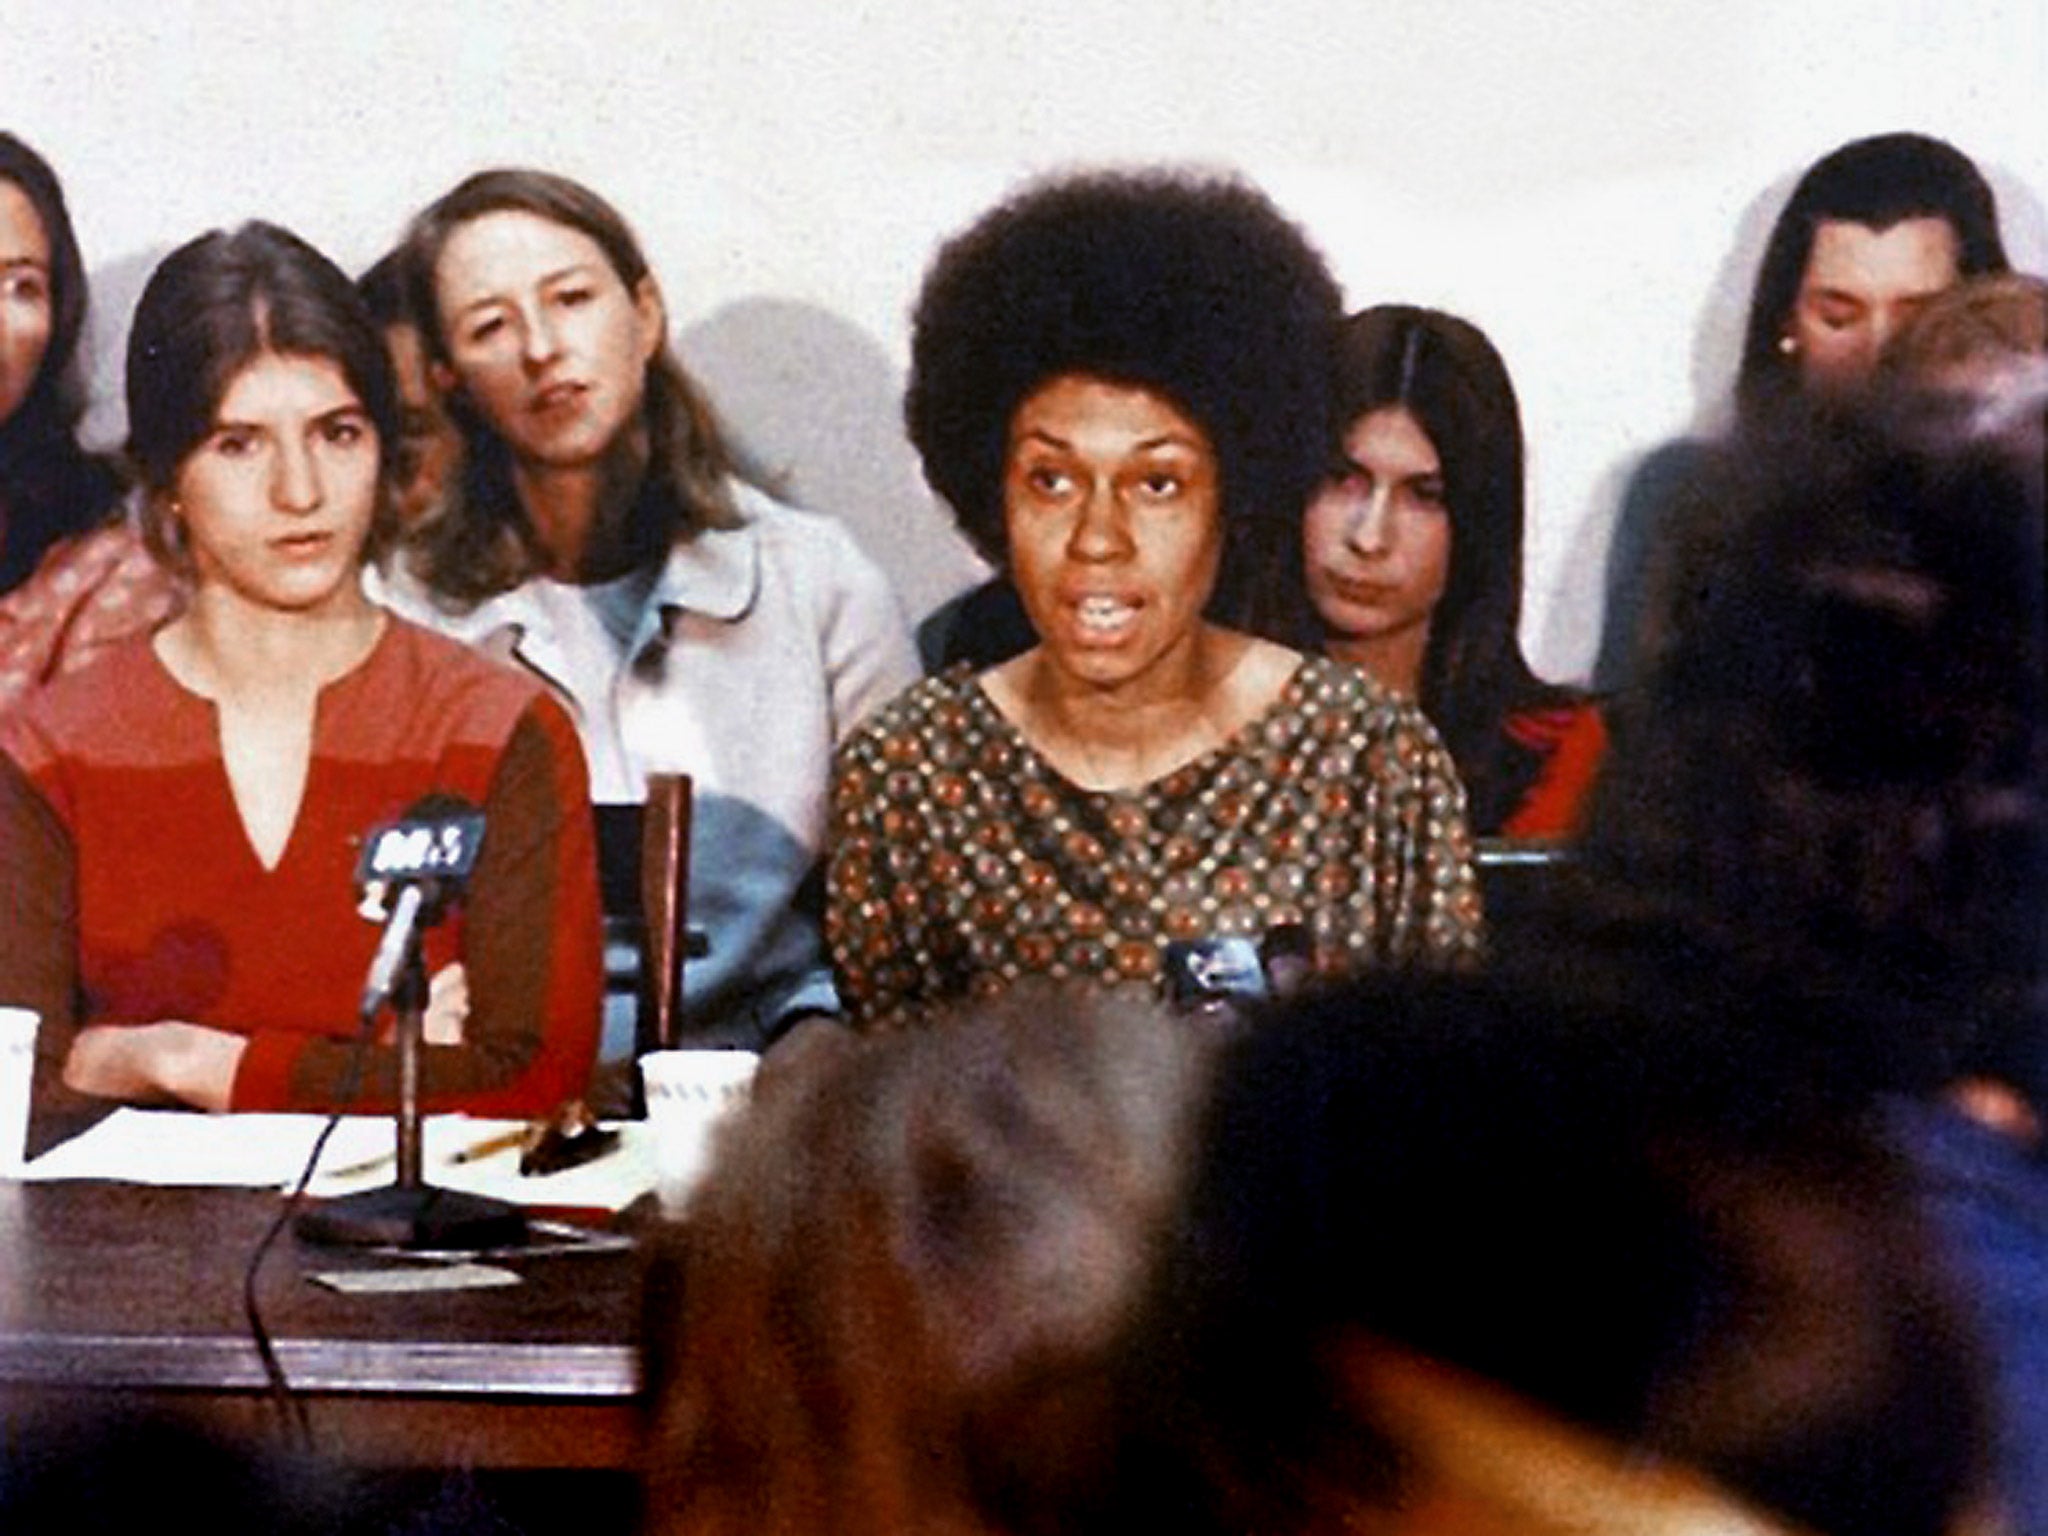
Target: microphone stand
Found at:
410, 1212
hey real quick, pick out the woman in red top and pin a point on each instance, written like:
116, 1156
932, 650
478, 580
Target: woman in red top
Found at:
180, 819
1412, 555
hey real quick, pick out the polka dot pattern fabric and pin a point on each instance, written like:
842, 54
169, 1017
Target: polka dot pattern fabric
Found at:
90, 594
962, 860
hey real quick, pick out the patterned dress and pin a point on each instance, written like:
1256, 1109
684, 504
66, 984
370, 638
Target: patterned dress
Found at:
90, 594
962, 860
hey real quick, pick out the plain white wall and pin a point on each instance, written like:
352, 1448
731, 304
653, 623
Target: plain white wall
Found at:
1589, 180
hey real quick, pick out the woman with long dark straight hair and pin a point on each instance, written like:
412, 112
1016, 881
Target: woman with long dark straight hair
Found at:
1412, 555
1871, 232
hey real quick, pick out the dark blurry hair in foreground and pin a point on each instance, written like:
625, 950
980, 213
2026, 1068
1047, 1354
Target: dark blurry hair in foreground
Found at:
1834, 779
1630, 1229
893, 1304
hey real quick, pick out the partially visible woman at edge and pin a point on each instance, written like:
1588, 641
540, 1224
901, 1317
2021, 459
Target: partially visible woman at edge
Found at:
1872, 231
73, 574
180, 819
49, 486
597, 536
1121, 385
1413, 563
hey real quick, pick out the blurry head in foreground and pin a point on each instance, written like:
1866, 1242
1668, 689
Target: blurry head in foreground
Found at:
898, 1289
1837, 777
1972, 365
1439, 1221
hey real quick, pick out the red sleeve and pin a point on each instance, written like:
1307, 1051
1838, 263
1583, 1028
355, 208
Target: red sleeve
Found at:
1573, 739
532, 946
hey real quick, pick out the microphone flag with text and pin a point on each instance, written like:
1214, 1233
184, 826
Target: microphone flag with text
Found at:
411, 870
419, 863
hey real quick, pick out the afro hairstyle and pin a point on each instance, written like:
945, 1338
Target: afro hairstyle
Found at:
1194, 286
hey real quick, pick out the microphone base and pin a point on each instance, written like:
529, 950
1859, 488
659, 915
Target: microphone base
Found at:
419, 1216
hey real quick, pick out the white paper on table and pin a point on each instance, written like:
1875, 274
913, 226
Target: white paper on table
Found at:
266, 1151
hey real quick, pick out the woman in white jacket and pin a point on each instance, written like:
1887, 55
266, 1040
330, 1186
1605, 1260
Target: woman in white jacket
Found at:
598, 536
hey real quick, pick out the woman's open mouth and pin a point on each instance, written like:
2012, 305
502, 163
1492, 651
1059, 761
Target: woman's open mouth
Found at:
1100, 616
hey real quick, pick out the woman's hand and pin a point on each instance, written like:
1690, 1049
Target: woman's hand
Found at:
179, 1063
447, 1006
154, 1063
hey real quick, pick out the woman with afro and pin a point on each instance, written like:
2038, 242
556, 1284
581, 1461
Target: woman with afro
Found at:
1121, 384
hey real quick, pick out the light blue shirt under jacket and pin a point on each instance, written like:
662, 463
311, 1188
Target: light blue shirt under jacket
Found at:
754, 651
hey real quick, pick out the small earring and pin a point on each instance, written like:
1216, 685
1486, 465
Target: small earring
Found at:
170, 524
1788, 344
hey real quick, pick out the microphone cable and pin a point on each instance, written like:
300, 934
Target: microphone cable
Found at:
291, 1409
446, 845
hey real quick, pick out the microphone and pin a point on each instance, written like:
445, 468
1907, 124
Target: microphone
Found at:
401, 928
428, 854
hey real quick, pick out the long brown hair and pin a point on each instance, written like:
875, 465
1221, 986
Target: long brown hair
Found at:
485, 543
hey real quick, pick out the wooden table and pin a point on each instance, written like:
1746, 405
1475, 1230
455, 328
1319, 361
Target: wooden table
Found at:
111, 1289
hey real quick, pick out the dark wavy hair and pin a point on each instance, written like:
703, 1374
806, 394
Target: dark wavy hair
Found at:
49, 486
1874, 182
210, 308
484, 542
1445, 373
1193, 286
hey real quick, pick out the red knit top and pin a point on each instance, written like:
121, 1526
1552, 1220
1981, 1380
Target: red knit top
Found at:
132, 893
